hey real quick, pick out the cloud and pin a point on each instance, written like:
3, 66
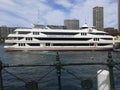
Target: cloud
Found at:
64, 3
55, 17
110, 15
24, 12
8, 20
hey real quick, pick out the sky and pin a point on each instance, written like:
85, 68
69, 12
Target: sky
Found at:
24, 13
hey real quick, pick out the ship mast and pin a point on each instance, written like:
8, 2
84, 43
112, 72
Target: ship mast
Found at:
38, 14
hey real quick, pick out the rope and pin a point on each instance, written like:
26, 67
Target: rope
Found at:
118, 68
14, 76
46, 74
71, 73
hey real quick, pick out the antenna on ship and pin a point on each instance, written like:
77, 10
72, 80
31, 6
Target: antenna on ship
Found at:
38, 21
37, 24
85, 21
85, 25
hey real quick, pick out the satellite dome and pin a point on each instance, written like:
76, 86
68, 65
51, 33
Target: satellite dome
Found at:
85, 26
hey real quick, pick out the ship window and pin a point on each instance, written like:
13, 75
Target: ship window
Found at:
21, 44
91, 44
84, 27
11, 44
96, 39
47, 44
35, 33
33, 44
103, 44
19, 38
83, 34
28, 38
23, 32
107, 38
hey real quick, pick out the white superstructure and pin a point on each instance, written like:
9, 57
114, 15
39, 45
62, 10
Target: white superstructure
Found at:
87, 38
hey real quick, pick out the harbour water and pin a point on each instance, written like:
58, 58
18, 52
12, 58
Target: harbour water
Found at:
50, 81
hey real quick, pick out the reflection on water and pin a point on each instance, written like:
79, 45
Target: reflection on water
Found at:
68, 79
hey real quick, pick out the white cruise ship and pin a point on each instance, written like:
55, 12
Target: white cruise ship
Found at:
86, 38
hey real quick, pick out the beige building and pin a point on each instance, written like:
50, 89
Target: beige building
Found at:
98, 18
71, 24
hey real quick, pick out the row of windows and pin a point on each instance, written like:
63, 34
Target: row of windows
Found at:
69, 44
107, 38
83, 44
96, 39
65, 39
23, 32
99, 33
28, 38
19, 38
36, 33
31, 44
103, 44
66, 44
59, 33
34, 44
21, 44
63, 33
67, 33
83, 34
74, 39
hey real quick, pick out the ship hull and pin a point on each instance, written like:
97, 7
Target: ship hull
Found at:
60, 49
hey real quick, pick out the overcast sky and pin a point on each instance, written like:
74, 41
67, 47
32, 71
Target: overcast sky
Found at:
53, 12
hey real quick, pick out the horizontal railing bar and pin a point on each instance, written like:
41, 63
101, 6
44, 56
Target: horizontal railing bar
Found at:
23, 65
68, 64
75, 64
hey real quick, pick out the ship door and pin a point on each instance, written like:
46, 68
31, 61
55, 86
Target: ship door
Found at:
47, 44
91, 44
95, 44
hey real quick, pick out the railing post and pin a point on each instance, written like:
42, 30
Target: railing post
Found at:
58, 70
1, 80
111, 65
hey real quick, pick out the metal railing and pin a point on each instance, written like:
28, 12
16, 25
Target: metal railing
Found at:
33, 85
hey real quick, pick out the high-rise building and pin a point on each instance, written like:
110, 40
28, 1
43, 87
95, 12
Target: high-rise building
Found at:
71, 24
119, 15
4, 31
98, 18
